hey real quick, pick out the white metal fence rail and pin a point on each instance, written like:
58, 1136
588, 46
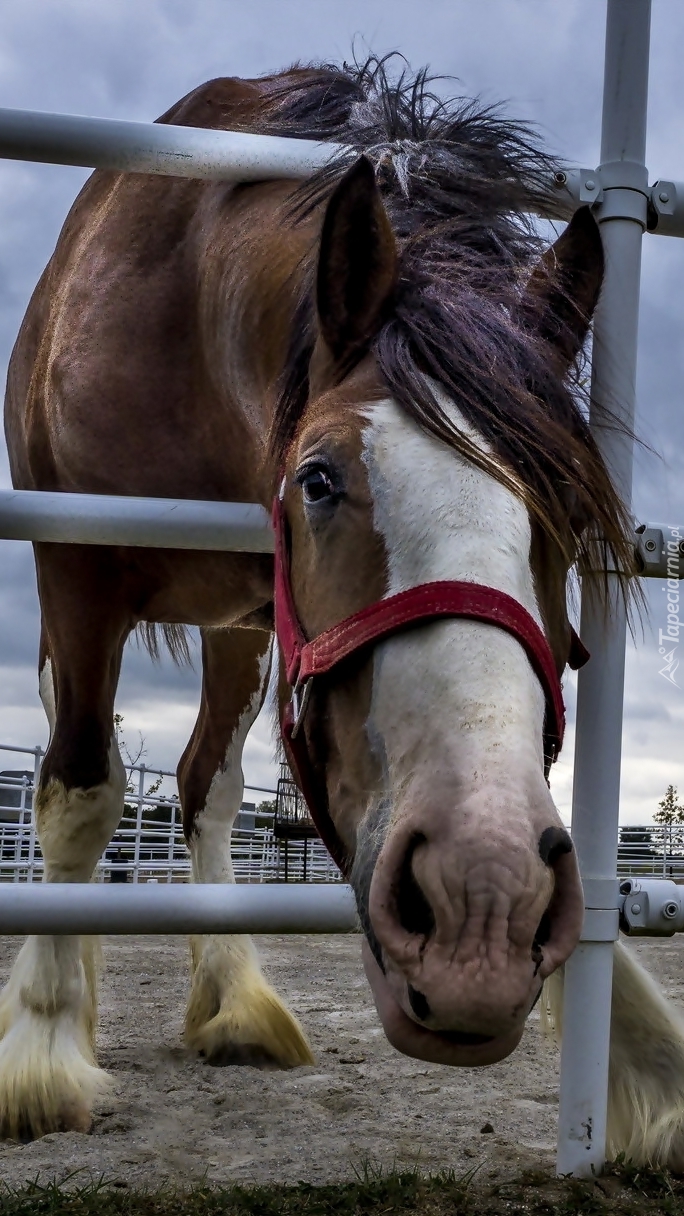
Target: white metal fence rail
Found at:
149, 845
104, 519
144, 147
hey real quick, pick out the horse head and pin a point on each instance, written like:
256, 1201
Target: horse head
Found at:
424, 748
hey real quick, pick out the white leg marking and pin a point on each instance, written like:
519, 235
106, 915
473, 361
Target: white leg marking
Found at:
48, 1009
48, 1075
75, 825
210, 843
233, 1013
46, 690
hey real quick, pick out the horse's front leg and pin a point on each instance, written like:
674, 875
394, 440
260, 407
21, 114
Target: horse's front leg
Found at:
233, 1014
48, 1009
646, 1075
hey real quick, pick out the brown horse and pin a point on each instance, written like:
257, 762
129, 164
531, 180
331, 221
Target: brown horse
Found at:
386, 349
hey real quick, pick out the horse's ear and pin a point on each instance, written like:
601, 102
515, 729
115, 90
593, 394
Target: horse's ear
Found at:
562, 292
357, 264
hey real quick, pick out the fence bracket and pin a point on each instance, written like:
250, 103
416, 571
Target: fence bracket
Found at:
660, 550
652, 907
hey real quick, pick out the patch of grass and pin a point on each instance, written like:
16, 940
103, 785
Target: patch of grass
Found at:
621, 1191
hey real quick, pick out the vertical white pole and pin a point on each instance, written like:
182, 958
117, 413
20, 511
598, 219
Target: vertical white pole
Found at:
180, 851
171, 842
37, 759
588, 973
20, 827
138, 823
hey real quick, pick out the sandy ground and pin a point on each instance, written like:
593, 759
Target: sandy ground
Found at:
172, 1118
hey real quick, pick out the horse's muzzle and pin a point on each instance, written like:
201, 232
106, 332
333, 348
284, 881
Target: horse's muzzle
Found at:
436, 1047
464, 928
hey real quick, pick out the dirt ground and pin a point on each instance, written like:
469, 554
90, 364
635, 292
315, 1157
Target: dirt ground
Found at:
172, 1118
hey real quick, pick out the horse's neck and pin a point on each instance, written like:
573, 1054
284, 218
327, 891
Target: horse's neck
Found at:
251, 271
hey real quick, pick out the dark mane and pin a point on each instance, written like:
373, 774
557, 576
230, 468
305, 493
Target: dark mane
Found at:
459, 182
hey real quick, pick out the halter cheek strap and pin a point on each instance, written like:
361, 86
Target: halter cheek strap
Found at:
306, 660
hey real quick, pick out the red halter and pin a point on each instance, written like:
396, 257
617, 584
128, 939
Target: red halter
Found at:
305, 660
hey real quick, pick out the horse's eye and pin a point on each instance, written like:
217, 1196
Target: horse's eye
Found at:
316, 484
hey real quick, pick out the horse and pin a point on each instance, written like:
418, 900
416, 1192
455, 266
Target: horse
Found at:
388, 353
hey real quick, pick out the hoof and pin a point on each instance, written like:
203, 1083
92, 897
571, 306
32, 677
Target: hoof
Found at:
48, 1080
252, 1055
26, 1123
248, 1025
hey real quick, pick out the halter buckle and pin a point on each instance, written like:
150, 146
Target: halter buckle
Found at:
300, 699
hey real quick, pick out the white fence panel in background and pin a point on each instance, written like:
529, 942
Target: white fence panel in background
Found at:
148, 845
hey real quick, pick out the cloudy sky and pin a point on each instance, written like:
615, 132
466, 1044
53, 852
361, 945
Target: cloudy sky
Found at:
544, 59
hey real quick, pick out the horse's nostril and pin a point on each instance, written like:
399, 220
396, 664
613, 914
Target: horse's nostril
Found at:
414, 912
418, 1003
553, 842
541, 937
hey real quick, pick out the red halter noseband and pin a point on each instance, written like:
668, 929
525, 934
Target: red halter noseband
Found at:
305, 660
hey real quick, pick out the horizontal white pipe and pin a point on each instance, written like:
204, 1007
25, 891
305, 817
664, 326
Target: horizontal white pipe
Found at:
58, 908
101, 519
145, 147
108, 519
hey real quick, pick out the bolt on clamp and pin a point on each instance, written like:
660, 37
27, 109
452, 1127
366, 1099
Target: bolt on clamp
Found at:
652, 907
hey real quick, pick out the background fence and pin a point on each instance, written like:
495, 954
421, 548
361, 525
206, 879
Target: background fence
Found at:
148, 845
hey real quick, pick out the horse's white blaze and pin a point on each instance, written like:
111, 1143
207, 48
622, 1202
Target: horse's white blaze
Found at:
456, 683
48, 1009
210, 842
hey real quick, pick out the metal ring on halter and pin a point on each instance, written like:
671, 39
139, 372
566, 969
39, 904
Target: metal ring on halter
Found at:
300, 699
